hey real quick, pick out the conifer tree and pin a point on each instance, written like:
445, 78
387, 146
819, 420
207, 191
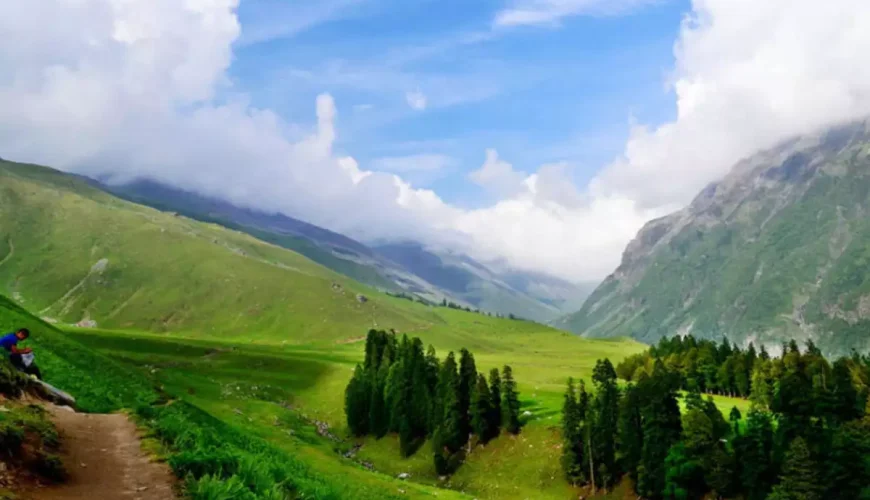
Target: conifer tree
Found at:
450, 429
684, 476
661, 430
467, 381
356, 402
379, 414
755, 449
495, 401
510, 401
481, 410
572, 441
630, 439
799, 479
846, 403
604, 423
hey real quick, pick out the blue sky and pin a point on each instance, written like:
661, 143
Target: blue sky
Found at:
560, 92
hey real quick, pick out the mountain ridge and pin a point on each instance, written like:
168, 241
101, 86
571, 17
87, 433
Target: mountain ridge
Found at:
406, 267
770, 252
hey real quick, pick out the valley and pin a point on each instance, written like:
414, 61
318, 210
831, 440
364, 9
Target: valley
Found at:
194, 324
255, 335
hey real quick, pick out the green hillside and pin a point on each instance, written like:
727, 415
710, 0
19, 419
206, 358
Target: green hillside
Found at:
70, 252
777, 250
253, 336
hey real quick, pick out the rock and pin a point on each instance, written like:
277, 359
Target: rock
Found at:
404, 475
362, 299
142, 488
527, 413
83, 464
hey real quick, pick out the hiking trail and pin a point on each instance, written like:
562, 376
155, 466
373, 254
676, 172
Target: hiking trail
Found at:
102, 454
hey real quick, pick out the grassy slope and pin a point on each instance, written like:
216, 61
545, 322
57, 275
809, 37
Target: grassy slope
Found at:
102, 383
296, 333
166, 273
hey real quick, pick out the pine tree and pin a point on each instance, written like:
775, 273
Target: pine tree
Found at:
481, 410
846, 403
495, 417
379, 414
661, 430
605, 422
799, 479
510, 401
356, 403
467, 381
684, 476
720, 472
848, 473
433, 411
450, 423
572, 441
755, 449
630, 440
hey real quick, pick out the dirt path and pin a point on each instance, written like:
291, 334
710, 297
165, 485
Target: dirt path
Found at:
103, 456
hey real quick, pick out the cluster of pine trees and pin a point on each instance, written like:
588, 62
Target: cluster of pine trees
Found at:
806, 436
400, 389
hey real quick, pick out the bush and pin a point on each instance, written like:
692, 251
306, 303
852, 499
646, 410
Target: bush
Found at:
200, 462
216, 488
49, 466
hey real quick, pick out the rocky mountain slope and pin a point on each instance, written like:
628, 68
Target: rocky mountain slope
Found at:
778, 249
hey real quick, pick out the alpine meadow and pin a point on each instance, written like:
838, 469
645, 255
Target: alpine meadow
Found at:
379, 249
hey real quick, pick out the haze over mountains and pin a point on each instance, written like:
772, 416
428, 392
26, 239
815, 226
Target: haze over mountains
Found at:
404, 267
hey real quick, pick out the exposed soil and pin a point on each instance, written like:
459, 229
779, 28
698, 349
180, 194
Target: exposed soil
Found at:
102, 454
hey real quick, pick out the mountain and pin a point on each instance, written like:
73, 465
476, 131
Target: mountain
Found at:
72, 253
528, 295
407, 268
778, 249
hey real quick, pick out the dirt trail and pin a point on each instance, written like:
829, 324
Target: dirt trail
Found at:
103, 456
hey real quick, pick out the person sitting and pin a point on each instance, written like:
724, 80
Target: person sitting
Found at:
10, 343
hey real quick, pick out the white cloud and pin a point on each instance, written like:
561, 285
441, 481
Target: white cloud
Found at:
550, 12
416, 99
748, 74
498, 176
131, 88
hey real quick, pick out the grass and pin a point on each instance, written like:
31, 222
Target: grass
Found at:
276, 391
211, 446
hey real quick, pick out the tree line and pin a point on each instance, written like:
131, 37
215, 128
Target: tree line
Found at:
805, 437
401, 389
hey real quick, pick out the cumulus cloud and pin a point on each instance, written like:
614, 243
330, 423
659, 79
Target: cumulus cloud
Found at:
748, 74
140, 88
498, 176
550, 12
416, 99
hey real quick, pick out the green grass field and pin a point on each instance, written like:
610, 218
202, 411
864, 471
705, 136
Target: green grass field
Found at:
255, 384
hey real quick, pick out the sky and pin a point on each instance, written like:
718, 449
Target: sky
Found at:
537, 134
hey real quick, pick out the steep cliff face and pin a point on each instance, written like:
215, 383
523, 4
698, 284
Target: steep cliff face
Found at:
778, 249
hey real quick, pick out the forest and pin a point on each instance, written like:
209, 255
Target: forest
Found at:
400, 389
805, 437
